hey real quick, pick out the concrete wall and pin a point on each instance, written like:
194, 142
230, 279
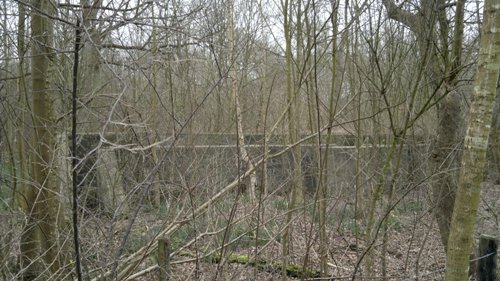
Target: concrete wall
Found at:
110, 173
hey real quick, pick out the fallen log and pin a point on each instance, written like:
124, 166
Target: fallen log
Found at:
292, 270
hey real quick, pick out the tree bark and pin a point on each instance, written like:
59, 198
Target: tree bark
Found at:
233, 82
324, 162
475, 146
440, 68
20, 187
39, 236
296, 196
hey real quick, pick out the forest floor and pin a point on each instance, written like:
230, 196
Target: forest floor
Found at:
409, 253
414, 249
414, 246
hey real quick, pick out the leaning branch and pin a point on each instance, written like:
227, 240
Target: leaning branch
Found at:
131, 263
397, 13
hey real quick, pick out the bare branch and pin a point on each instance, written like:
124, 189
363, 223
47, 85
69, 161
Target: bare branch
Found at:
396, 13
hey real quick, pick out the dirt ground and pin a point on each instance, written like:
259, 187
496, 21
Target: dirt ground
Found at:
414, 250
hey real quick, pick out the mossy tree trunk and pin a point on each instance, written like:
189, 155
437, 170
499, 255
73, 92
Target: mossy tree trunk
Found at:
475, 146
39, 239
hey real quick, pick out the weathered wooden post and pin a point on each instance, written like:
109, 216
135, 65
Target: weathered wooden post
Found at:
164, 259
486, 264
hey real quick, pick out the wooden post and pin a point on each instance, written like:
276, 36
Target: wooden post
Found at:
164, 259
486, 264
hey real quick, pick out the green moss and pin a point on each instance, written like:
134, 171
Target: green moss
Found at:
298, 271
242, 259
292, 270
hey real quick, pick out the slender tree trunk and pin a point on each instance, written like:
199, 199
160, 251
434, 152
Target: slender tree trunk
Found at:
296, 189
475, 146
293, 94
233, 82
20, 188
154, 104
324, 164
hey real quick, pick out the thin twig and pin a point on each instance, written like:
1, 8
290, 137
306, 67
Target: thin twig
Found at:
74, 159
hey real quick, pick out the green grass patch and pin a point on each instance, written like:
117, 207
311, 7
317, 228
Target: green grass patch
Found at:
182, 235
280, 204
394, 221
409, 206
346, 221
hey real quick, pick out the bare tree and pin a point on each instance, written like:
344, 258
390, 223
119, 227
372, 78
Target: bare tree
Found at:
475, 147
442, 60
328, 106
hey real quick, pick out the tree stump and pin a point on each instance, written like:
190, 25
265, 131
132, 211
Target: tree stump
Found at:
164, 259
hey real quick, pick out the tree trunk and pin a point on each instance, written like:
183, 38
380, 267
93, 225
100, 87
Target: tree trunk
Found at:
444, 154
475, 146
39, 236
323, 164
435, 56
233, 85
155, 96
445, 163
292, 104
19, 187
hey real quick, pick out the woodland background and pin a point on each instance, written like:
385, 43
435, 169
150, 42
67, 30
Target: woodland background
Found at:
261, 140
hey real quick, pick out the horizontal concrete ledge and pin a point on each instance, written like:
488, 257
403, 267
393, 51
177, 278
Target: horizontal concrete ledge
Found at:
285, 146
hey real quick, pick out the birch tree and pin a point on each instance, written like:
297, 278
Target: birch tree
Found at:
475, 146
233, 86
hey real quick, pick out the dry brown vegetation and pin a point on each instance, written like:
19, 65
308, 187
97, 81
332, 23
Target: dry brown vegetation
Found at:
262, 139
